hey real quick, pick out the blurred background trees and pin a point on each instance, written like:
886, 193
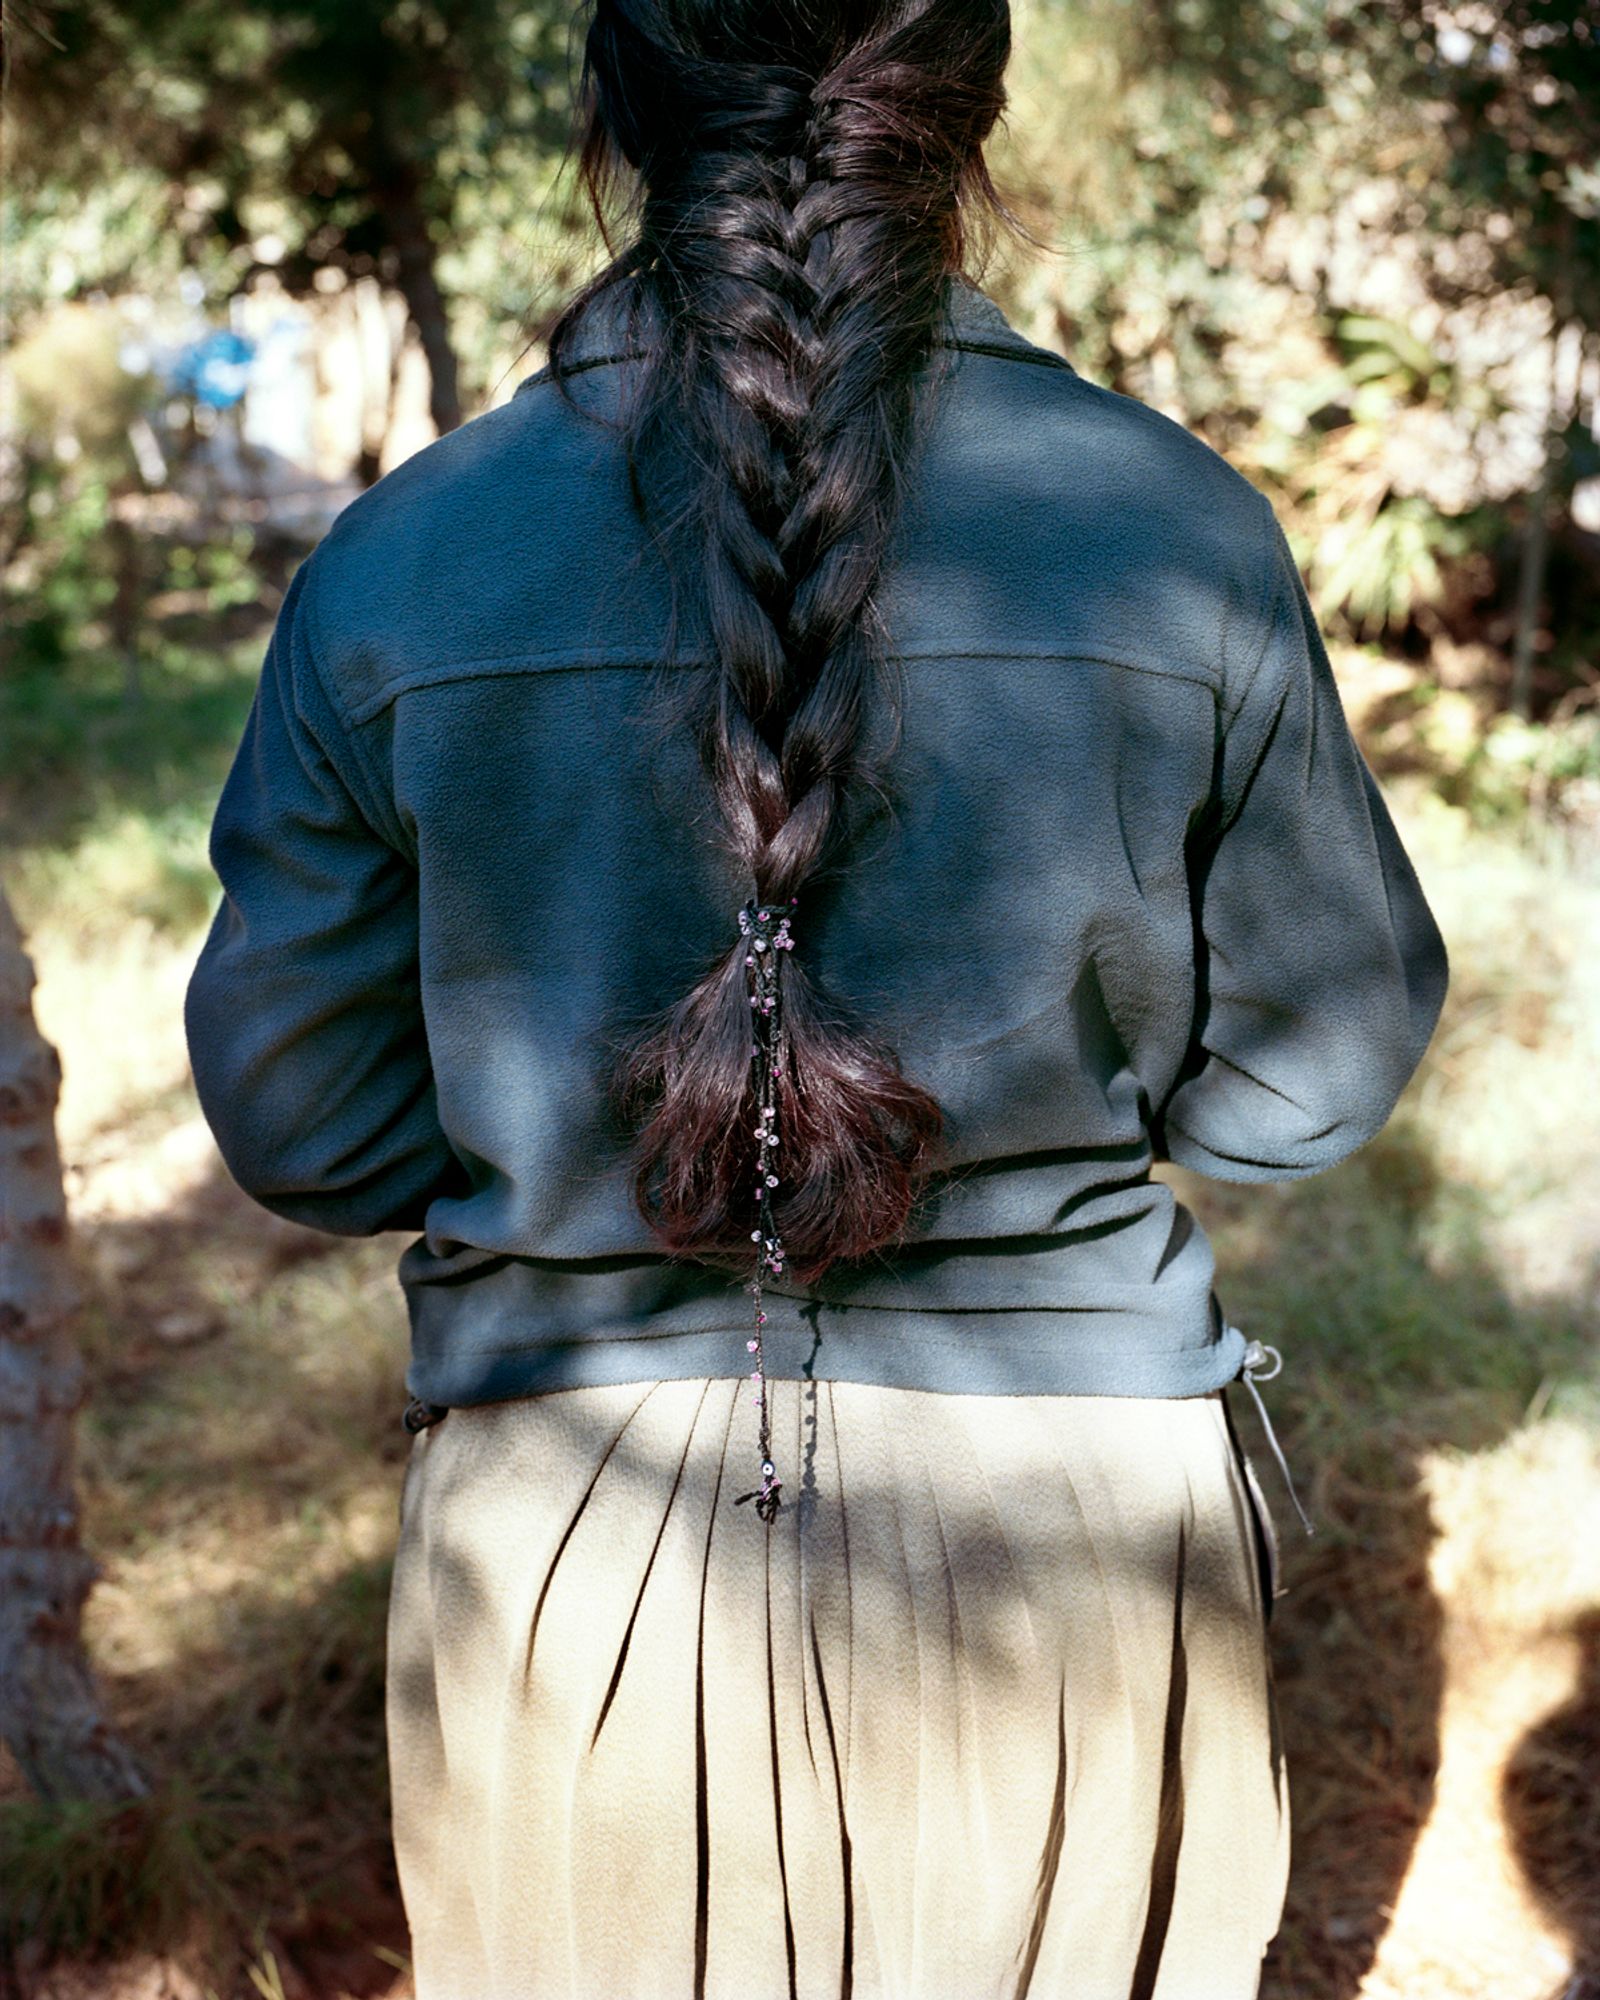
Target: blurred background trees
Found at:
1357, 247
1354, 243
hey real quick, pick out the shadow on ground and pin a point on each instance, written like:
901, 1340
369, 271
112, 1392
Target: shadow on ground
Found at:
1392, 1350
272, 1828
1551, 1801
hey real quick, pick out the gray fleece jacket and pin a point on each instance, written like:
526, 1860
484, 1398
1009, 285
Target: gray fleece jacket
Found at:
1140, 900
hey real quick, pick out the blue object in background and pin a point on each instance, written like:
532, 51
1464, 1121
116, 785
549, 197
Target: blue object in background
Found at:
215, 369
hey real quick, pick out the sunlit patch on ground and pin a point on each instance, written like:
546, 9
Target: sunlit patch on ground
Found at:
1485, 1905
1438, 1655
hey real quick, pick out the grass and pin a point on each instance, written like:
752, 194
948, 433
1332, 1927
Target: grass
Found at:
77, 755
1434, 1298
1437, 1656
239, 1469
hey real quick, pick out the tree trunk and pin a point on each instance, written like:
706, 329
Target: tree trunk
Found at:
396, 197
1536, 533
49, 1713
1530, 589
379, 352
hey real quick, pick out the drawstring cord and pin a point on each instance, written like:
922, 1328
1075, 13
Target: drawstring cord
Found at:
1255, 1359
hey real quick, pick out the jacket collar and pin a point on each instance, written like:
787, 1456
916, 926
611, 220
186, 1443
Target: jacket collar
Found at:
973, 323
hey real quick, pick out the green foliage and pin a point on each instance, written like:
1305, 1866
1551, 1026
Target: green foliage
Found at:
1519, 82
80, 762
223, 1838
1299, 229
1379, 569
72, 390
1383, 1271
1517, 769
68, 517
1270, 218
78, 1874
371, 138
1384, 363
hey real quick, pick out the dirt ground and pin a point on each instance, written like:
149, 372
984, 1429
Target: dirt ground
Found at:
1437, 1656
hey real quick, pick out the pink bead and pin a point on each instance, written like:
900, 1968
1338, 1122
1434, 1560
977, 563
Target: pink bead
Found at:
750, 1344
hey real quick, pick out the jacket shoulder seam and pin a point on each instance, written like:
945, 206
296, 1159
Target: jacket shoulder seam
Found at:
1268, 522
375, 803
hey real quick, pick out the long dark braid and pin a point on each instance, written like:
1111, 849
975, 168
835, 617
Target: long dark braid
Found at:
804, 171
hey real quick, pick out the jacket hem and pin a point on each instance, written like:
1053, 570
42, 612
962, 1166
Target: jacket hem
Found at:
1064, 1353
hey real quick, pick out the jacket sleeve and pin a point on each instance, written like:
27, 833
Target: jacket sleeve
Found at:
1321, 971
303, 1012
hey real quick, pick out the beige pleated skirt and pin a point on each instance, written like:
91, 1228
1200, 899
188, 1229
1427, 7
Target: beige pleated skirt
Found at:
986, 1710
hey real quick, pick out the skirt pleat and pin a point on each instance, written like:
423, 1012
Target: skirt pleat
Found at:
986, 1710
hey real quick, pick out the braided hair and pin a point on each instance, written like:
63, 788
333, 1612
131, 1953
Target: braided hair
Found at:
803, 172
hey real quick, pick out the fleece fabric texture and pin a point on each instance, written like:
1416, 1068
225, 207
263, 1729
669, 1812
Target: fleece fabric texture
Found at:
1135, 896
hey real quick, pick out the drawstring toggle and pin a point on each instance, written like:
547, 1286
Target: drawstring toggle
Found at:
1256, 1355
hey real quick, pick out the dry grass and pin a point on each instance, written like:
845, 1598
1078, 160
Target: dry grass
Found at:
1436, 1301
1438, 1656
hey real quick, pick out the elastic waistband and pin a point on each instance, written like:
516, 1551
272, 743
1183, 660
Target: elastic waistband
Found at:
487, 1342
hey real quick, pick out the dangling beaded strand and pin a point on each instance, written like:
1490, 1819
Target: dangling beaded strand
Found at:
765, 927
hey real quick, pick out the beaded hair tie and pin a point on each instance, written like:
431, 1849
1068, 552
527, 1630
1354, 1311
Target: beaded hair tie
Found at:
766, 928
